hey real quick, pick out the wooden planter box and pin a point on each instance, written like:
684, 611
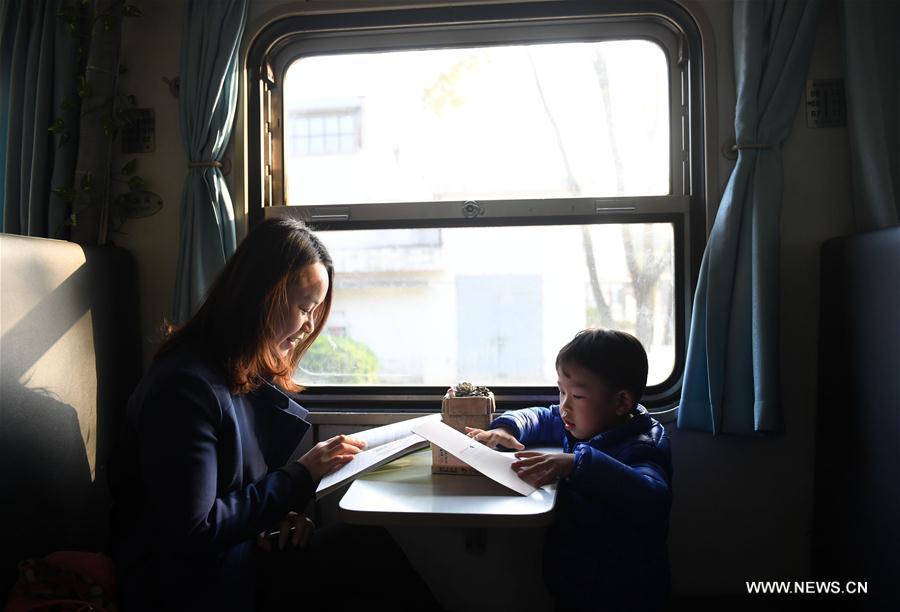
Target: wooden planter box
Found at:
459, 413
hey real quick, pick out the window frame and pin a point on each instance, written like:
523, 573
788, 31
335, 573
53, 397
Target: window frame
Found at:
280, 43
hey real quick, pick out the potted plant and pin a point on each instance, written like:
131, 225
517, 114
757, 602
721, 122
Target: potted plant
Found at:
464, 405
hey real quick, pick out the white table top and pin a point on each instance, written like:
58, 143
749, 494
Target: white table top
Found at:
405, 492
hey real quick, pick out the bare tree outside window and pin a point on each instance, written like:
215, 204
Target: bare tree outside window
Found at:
646, 265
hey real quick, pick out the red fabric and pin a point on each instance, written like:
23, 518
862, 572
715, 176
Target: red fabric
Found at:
65, 581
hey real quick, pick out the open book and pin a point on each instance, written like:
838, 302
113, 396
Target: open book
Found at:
495, 465
383, 444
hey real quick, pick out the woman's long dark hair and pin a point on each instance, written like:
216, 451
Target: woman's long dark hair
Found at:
237, 321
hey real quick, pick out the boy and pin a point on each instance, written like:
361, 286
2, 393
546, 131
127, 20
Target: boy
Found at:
606, 549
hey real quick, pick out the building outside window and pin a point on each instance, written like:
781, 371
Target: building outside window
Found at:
327, 129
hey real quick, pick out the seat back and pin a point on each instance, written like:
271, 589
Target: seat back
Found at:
857, 494
69, 357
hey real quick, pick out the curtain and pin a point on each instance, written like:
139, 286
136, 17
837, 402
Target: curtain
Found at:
207, 102
37, 73
871, 33
731, 375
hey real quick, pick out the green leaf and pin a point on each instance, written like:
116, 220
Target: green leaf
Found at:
136, 183
87, 181
129, 167
83, 87
131, 10
136, 204
57, 126
67, 14
109, 125
66, 194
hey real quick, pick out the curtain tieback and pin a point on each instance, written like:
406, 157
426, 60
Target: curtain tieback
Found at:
749, 145
208, 163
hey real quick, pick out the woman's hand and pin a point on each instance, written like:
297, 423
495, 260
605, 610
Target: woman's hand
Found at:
302, 525
495, 437
538, 469
326, 456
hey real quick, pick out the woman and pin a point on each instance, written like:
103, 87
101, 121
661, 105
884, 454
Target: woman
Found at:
203, 469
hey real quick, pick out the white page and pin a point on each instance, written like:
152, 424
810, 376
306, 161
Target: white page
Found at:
382, 444
367, 460
493, 464
388, 433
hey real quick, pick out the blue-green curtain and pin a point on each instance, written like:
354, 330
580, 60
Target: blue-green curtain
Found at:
207, 102
37, 72
731, 375
871, 34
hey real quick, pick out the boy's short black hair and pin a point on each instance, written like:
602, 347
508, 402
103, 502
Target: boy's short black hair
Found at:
616, 357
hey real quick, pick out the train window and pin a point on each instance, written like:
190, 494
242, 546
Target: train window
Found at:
489, 181
492, 304
506, 122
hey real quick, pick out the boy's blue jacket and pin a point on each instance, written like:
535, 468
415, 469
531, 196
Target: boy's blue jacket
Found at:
606, 549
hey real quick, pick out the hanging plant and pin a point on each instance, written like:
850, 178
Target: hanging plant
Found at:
95, 192
134, 203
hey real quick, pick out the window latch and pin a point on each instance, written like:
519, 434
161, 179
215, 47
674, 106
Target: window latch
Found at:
613, 209
472, 209
330, 214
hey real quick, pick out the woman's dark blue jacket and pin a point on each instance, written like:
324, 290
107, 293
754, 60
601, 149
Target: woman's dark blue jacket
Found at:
606, 549
198, 473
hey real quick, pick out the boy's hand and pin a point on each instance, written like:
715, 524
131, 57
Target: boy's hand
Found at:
495, 437
538, 469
